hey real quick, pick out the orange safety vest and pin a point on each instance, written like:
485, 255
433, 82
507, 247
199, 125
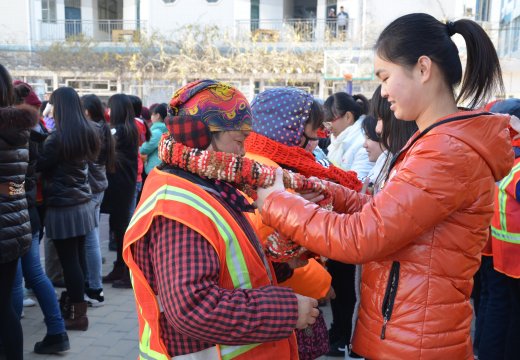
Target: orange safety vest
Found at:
170, 196
505, 226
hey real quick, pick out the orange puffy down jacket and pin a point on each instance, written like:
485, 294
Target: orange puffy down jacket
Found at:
420, 238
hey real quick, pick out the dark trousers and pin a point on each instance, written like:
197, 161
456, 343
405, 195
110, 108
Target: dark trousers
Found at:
11, 334
343, 282
118, 222
497, 334
71, 253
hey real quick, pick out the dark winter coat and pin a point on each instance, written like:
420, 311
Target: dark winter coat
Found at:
65, 182
97, 174
121, 184
15, 227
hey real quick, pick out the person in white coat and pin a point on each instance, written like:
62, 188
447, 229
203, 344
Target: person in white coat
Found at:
344, 115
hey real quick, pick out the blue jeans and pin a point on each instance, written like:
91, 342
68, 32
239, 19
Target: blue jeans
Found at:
494, 313
42, 287
93, 249
133, 204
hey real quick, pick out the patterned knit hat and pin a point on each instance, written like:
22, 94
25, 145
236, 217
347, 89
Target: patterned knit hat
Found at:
281, 113
205, 106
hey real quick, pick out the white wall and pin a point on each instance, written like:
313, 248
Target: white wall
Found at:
13, 27
271, 10
169, 17
242, 9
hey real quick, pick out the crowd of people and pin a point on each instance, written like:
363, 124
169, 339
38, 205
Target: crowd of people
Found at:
233, 221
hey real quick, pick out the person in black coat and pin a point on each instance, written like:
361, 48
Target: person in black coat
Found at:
15, 225
67, 196
121, 183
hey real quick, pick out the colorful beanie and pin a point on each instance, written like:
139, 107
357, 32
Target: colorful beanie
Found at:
205, 106
280, 114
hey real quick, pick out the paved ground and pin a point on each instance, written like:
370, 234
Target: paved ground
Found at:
112, 332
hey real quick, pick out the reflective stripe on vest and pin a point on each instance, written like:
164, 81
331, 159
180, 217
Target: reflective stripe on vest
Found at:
234, 257
145, 351
502, 235
502, 203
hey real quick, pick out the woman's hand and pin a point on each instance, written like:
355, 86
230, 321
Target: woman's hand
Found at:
263, 193
312, 196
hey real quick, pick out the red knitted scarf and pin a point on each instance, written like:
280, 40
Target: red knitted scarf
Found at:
300, 160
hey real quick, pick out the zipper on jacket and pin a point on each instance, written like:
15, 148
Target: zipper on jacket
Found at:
389, 298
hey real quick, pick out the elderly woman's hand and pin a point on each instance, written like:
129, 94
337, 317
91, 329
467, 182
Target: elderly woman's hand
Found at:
263, 193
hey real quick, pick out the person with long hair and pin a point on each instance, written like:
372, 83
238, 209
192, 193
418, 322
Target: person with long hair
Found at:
15, 236
70, 213
344, 115
56, 339
373, 146
122, 182
97, 176
420, 238
393, 136
144, 135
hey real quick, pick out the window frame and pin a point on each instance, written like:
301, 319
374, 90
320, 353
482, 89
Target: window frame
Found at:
49, 9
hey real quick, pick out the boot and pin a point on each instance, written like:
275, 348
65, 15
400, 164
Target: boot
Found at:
124, 281
77, 319
117, 273
52, 344
64, 304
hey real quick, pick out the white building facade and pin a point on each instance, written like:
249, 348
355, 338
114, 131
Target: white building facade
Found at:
30, 25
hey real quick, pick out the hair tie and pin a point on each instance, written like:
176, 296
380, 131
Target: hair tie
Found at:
450, 25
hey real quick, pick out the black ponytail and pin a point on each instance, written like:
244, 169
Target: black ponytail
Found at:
483, 75
414, 35
340, 103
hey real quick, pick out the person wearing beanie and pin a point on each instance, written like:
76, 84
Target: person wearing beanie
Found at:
203, 286
497, 332
285, 125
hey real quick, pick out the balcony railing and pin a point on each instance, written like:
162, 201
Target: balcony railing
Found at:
97, 30
294, 30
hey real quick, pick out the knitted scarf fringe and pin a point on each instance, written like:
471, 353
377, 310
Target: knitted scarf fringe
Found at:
244, 173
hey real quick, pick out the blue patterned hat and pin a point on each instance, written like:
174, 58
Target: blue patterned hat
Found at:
281, 113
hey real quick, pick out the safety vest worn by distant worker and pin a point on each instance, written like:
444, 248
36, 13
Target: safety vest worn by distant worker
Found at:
505, 227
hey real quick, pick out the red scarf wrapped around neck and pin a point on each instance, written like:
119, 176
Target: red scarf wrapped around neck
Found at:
300, 161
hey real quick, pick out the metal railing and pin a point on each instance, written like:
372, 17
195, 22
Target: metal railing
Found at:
294, 30
97, 30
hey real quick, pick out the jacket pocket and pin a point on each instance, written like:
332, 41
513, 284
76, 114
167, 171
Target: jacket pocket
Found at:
390, 293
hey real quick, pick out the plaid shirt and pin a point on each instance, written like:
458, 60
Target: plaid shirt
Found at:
183, 268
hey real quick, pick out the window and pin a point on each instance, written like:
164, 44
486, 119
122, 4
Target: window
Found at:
516, 34
110, 10
483, 9
48, 11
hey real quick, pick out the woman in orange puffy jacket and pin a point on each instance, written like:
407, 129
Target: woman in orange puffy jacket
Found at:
420, 237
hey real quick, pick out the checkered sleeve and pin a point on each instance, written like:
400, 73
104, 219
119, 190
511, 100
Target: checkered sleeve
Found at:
187, 271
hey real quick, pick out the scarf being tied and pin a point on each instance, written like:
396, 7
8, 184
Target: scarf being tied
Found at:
246, 175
